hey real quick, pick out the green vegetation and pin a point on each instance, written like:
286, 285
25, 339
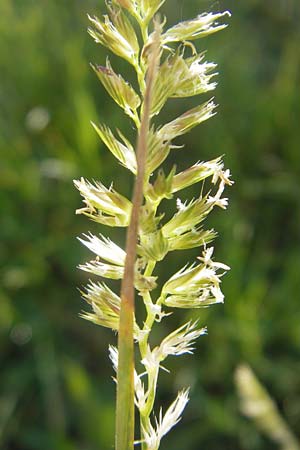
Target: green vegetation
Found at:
56, 390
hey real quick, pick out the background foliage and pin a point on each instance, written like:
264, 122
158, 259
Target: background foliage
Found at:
56, 390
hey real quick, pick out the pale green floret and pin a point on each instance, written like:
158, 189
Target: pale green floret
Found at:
153, 436
108, 319
161, 188
196, 173
124, 26
121, 41
178, 342
195, 286
197, 237
105, 304
164, 187
206, 296
123, 151
104, 248
103, 270
153, 246
103, 205
197, 80
114, 272
188, 216
158, 150
171, 75
106, 307
181, 77
184, 123
119, 89
149, 222
100, 293
173, 414
201, 26
191, 280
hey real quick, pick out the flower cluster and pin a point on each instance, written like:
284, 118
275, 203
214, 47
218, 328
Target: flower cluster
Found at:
182, 72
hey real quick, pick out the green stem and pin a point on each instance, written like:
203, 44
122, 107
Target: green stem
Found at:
125, 373
143, 344
150, 314
145, 414
144, 30
135, 117
149, 269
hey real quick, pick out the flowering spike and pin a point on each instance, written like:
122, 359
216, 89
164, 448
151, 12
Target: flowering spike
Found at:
163, 72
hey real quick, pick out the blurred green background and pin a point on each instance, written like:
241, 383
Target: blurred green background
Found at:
56, 389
